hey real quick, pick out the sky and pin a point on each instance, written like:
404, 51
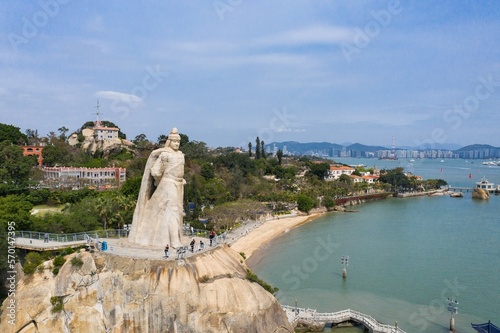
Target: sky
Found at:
224, 72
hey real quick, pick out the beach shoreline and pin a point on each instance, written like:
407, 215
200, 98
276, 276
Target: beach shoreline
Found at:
255, 239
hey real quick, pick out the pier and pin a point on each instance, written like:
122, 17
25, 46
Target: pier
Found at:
460, 189
310, 315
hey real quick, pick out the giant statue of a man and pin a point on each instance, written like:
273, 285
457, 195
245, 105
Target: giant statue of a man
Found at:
158, 214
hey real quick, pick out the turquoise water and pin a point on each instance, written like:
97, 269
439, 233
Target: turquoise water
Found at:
407, 256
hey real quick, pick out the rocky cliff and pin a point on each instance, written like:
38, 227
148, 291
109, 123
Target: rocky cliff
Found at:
107, 293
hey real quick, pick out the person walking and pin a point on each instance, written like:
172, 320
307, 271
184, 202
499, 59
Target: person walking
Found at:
167, 253
192, 245
212, 236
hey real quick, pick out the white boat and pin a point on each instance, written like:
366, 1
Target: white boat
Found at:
486, 185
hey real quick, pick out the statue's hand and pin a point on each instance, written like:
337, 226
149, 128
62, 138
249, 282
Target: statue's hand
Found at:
184, 182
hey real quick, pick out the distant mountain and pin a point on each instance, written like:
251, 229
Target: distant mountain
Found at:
435, 146
302, 147
361, 147
476, 147
361, 150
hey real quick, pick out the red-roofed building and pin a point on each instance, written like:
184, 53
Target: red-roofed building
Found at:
337, 170
34, 151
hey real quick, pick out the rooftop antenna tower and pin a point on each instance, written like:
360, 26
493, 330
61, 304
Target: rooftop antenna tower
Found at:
98, 121
393, 150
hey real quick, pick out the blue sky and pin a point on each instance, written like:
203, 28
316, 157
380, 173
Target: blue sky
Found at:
226, 71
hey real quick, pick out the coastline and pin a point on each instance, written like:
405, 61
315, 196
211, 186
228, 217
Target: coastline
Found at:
269, 230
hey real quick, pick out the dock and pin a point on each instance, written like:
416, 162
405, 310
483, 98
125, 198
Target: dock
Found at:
310, 315
460, 189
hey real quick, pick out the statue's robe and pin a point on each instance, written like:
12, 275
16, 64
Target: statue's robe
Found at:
157, 219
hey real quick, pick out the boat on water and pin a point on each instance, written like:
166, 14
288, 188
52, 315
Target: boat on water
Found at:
484, 184
492, 163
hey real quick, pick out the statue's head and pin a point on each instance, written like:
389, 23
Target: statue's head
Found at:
174, 139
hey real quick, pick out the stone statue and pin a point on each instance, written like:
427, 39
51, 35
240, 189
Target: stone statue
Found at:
158, 214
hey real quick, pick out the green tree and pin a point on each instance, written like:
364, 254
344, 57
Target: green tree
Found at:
305, 203
14, 167
184, 139
257, 148
162, 139
262, 149
250, 149
320, 170
396, 178
132, 186
62, 131
140, 139
207, 170
195, 150
12, 134
32, 136
58, 153
279, 155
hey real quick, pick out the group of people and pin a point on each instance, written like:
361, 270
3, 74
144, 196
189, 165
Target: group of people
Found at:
193, 243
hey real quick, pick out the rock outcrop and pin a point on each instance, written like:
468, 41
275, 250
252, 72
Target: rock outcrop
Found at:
203, 293
481, 194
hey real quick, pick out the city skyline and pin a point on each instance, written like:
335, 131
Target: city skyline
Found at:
225, 72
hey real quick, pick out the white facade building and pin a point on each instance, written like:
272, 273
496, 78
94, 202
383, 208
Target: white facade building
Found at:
75, 177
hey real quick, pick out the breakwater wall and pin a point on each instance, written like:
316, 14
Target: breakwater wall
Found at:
358, 199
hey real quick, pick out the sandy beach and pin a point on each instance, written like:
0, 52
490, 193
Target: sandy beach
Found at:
267, 231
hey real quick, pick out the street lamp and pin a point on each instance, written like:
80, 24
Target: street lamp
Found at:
453, 308
344, 260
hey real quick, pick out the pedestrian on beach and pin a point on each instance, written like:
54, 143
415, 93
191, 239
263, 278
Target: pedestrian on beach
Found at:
192, 231
192, 245
167, 253
202, 245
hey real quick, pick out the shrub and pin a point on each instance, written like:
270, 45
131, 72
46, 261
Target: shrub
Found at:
242, 254
33, 260
76, 262
57, 304
251, 276
305, 203
59, 261
67, 251
204, 279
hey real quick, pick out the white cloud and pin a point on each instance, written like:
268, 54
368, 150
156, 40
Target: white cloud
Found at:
118, 96
288, 129
319, 34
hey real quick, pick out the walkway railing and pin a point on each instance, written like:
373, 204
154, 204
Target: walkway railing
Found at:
73, 237
49, 241
295, 314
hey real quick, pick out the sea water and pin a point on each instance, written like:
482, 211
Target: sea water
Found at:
407, 256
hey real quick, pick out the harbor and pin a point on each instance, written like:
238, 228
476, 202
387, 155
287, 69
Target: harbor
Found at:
407, 256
